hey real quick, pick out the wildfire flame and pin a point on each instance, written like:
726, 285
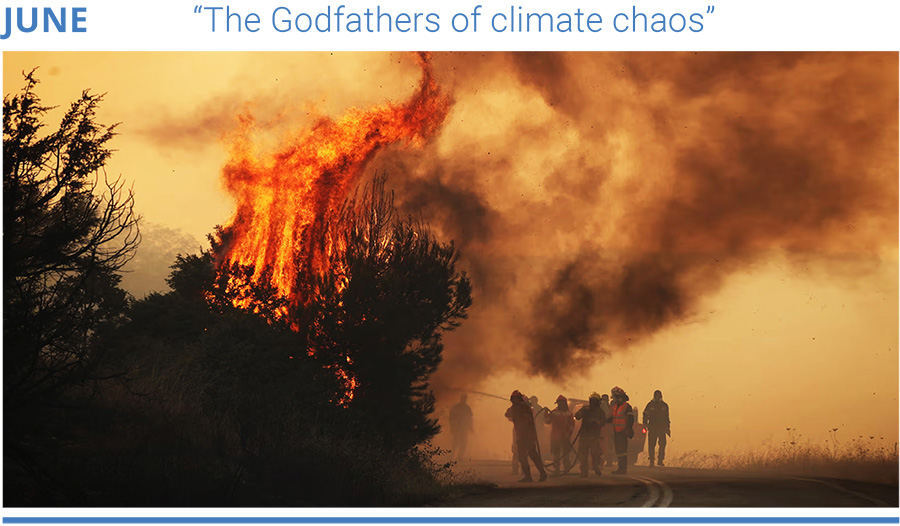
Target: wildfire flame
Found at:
349, 383
286, 199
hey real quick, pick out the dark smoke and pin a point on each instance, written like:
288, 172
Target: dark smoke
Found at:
658, 176
458, 213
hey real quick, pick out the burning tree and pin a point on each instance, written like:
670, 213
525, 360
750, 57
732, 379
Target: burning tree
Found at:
369, 291
314, 310
368, 337
67, 230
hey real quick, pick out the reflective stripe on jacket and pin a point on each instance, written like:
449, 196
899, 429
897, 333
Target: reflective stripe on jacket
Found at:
620, 414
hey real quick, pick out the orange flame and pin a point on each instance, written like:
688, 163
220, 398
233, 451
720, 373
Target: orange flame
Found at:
348, 382
285, 199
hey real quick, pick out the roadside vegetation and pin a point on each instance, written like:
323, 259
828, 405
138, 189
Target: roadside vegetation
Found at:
865, 458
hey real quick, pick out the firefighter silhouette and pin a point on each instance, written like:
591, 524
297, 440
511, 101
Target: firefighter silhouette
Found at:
525, 432
460, 427
590, 438
562, 423
656, 419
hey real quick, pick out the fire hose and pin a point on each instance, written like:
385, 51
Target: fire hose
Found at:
570, 444
486, 394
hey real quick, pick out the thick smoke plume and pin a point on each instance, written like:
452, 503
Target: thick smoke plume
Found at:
598, 197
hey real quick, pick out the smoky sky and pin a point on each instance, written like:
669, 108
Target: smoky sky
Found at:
202, 127
597, 199
283, 91
654, 177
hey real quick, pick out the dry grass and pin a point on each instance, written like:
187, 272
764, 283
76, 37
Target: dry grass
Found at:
860, 458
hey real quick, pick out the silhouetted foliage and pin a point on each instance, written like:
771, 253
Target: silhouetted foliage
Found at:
377, 317
221, 393
380, 313
68, 229
250, 396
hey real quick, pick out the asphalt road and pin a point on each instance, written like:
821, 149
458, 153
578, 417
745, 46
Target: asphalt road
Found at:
664, 487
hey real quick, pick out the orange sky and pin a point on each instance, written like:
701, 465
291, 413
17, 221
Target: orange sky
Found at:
561, 158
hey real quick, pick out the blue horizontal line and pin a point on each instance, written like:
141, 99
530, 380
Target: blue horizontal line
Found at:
451, 520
